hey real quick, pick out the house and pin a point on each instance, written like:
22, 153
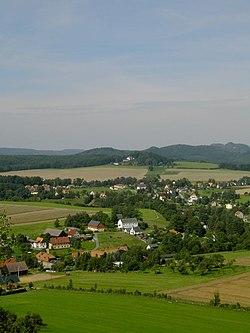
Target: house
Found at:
239, 214
118, 187
19, 268
39, 243
55, 232
133, 231
46, 259
229, 206
141, 187
58, 243
127, 223
96, 226
152, 246
74, 233
193, 198
10, 281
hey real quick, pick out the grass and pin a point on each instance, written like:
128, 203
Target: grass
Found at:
113, 240
33, 230
65, 311
152, 217
146, 281
195, 165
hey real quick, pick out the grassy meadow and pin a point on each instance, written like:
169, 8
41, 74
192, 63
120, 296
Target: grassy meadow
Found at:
65, 311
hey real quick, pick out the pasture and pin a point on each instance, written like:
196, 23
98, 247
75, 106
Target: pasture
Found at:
88, 173
71, 311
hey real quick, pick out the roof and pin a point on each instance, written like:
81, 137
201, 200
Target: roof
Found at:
53, 232
39, 240
130, 220
7, 261
4, 279
16, 267
59, 240
94, 223
72, 232
44, 256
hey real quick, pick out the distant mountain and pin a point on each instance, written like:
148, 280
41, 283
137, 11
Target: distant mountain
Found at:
32, 152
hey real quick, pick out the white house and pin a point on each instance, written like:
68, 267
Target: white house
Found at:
133, 231
39, 243
127, 223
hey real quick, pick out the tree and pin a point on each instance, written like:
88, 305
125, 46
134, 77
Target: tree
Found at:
5, 239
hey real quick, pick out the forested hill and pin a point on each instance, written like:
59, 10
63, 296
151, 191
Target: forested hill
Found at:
230, 155
93, 157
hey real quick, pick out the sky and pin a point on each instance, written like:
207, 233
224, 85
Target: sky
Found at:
128, 74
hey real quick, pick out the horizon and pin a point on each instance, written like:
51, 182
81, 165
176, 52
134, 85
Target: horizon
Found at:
125, 74
132, 149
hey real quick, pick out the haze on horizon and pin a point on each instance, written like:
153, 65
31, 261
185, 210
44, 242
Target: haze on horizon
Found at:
126, 74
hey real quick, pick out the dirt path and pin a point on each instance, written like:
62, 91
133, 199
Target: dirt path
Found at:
231, 289
39, 277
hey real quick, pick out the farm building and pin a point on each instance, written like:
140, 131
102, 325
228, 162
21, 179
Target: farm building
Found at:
10, 281
96, 226
58, 243
54, 232
19, 268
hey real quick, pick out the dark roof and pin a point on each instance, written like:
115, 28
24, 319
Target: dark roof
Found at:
16, 267
4, 279
94, 223
130, 220
54, 232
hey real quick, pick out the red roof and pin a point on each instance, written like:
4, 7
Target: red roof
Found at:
59, 240
44, 256
72, 232
7, 261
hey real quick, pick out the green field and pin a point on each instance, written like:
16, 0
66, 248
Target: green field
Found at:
114, 240
65, 311
146, 281
195, 165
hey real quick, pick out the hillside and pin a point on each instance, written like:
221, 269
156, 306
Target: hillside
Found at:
230, 155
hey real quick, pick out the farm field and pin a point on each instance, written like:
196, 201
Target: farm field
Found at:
29, 212
231, 289
204, 175
88, 173
65, 311
20, 214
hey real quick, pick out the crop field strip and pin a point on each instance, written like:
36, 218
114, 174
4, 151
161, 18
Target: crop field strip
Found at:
21, 214
231, 289
88, 173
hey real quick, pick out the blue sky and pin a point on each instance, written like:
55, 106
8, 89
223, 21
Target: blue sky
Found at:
126, 74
